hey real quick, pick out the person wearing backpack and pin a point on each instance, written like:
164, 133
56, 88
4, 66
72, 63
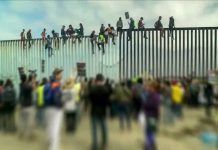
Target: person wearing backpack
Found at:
9, 104
123, 95
54, 104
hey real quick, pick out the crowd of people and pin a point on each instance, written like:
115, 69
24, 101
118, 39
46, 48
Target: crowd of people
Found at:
101, 39
126, 100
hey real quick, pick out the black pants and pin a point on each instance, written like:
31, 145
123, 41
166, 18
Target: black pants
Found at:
92, 42
102, 45
70, 121
120, 30
129, 33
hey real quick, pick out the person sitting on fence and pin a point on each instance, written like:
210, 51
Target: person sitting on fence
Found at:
56, 38
23, 38
63, 34
131, 28
29, 37
80, 32
49, 46
71, 33
111, 32
119, 25
141, 24
159, 26
93, 40
171, 26
102, 29
101, 41
43, 34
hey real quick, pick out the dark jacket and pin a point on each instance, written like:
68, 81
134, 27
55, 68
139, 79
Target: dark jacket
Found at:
26, 95
99, 100
9, 98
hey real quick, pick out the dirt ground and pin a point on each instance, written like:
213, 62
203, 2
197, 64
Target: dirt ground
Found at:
184, 135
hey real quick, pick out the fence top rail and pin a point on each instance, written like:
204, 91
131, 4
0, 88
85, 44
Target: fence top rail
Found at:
146, 29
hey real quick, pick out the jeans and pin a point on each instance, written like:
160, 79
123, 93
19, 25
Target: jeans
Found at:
50, 51
178, 110
124, 115
40, 116
168, 112
102, 45
101, 122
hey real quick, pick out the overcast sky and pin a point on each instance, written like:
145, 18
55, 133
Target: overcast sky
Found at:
52, 14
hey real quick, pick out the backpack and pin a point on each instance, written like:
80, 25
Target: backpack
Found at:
49, 95
52, 95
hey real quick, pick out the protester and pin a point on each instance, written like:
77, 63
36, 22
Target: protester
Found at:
137, 91
26, 107
40, 103
111, 32
70, 105
124, 96
177, 99
171, 26
29, 38
56, 38
9, 105
101, 41
1, 103
80, 32
141, 24
131, 28
23, 39
71, 33
93, 40
208, 93
53, 99
151, 108
167, 102
43, 35
63, 34
159, 26
102, 29
99, 96
49, 46
120, 25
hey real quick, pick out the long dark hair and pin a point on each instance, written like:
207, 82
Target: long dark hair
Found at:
9, 83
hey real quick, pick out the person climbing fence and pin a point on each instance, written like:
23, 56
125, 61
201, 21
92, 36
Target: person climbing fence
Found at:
23, 39
56, 39
49, 46
29, 38
43, 35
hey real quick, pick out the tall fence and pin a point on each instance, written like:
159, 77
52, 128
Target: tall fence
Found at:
14, 55
190, 53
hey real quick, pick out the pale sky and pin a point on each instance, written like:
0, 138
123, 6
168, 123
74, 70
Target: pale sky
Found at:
52, 14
